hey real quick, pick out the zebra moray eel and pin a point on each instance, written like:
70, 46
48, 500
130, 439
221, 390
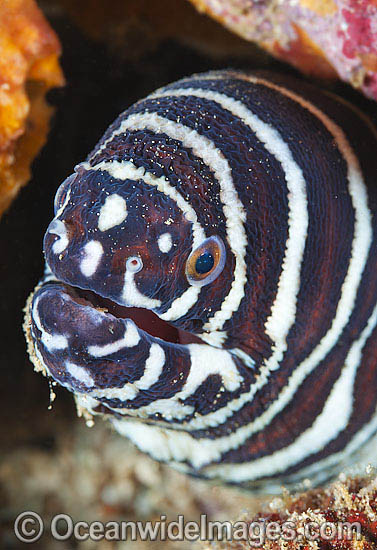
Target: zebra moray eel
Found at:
239, 212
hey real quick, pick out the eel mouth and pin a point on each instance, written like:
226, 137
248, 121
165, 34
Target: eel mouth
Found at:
73, 334
145, 319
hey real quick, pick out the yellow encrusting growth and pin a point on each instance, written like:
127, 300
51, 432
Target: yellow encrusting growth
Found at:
29, 67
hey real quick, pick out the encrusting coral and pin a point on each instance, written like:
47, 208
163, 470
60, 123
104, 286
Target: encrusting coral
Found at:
323, 38
29, 67
346, 510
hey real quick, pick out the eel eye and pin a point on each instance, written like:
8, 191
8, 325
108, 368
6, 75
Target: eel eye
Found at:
206, 262
134, 264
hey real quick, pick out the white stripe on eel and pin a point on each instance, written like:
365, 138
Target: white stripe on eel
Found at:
54, 342
205, 361
130, 339
152, 372
93, 252
57, 227
284, 305
51, 342
132, 297
127, 170
113, 212
165, 242
358, 443
79, 373
234, 211
65, 204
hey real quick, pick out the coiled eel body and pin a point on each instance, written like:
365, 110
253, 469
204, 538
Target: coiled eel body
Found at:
239, 208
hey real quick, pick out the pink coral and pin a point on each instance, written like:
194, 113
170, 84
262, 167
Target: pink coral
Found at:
325, 38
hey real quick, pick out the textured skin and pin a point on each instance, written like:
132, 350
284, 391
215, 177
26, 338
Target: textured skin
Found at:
284, 385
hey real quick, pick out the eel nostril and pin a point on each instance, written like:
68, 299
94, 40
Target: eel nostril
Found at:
134, 264
55, 227
58, 228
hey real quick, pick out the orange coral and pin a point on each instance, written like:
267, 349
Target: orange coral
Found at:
29, 51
